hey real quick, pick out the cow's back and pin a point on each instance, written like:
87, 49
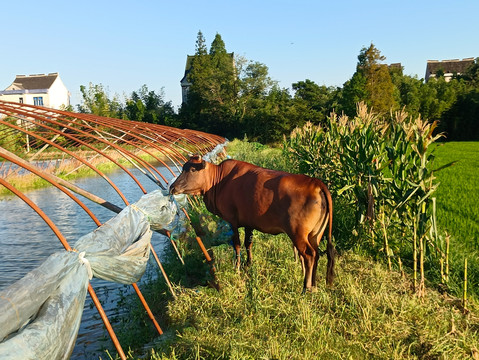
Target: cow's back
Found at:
267, 200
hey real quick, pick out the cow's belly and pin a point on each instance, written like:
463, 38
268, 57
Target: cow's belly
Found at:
270, 222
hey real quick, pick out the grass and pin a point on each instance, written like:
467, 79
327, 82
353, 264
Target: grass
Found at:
260, 313
458, 194
458, 206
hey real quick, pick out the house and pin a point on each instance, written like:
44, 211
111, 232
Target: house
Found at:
448, 68
185, 84
395, 66
42, 90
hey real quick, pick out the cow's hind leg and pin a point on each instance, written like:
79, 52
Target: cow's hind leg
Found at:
315, 266
300, 258
308, 254
248, 244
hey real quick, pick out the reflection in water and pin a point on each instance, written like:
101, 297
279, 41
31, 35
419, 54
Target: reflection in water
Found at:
26, 241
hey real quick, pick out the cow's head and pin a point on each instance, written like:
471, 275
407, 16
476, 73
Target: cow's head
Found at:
194, 179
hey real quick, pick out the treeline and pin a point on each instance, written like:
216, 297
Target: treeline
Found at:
234, 97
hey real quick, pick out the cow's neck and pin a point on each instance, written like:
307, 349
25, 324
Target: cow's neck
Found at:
210, 196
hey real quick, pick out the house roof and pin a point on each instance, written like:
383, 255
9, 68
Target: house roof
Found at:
395, 66
189, 61
31, 82
448, 66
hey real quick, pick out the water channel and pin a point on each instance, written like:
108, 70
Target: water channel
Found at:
26, 241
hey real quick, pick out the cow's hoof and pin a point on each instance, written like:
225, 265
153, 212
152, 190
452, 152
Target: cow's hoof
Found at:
310, 290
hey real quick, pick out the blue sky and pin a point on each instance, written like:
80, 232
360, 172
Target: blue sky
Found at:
125, 44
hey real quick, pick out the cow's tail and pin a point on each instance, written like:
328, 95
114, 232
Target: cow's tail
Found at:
330, 251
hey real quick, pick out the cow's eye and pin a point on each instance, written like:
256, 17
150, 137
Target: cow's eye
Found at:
192, 169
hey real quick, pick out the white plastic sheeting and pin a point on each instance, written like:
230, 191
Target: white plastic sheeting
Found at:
41, 313
216, 154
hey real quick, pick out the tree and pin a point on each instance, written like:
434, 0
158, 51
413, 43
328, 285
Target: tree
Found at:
460, 122
353, 92
201, 48
313, 101
148, 106
254, 86
212, 97
471, 75
272, 117
408, 92
96, 101
438, 95
370, 83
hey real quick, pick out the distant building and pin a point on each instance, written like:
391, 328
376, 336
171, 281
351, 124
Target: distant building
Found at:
42, 90
185, 84
395, 66
448, 68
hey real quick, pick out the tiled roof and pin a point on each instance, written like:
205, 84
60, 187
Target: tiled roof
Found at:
31, 82
448, 66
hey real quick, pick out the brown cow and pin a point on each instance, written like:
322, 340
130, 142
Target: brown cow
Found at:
270, 201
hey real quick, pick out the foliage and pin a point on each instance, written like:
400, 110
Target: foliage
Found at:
234, 97
381, 167
272, 116
96, 101
211, 104
10, 139
316, 100
143, 105
353, 92
460, 121
258, 154
147, 106
371, 83
437, 96
408, 92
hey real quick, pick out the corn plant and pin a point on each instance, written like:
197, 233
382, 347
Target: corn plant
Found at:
381, 167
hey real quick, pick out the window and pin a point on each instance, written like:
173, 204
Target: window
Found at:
38, 101
20, 100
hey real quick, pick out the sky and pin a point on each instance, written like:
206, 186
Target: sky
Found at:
123, 45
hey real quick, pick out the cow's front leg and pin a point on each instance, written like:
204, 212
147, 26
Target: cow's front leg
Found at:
248, 244
237, 247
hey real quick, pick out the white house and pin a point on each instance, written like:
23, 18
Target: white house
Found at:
42, 90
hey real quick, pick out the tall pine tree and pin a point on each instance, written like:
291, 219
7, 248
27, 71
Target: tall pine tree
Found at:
370, 83
212, 97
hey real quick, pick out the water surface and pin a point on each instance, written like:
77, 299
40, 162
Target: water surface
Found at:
26, 241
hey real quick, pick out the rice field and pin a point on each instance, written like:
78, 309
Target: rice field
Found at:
458, 193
